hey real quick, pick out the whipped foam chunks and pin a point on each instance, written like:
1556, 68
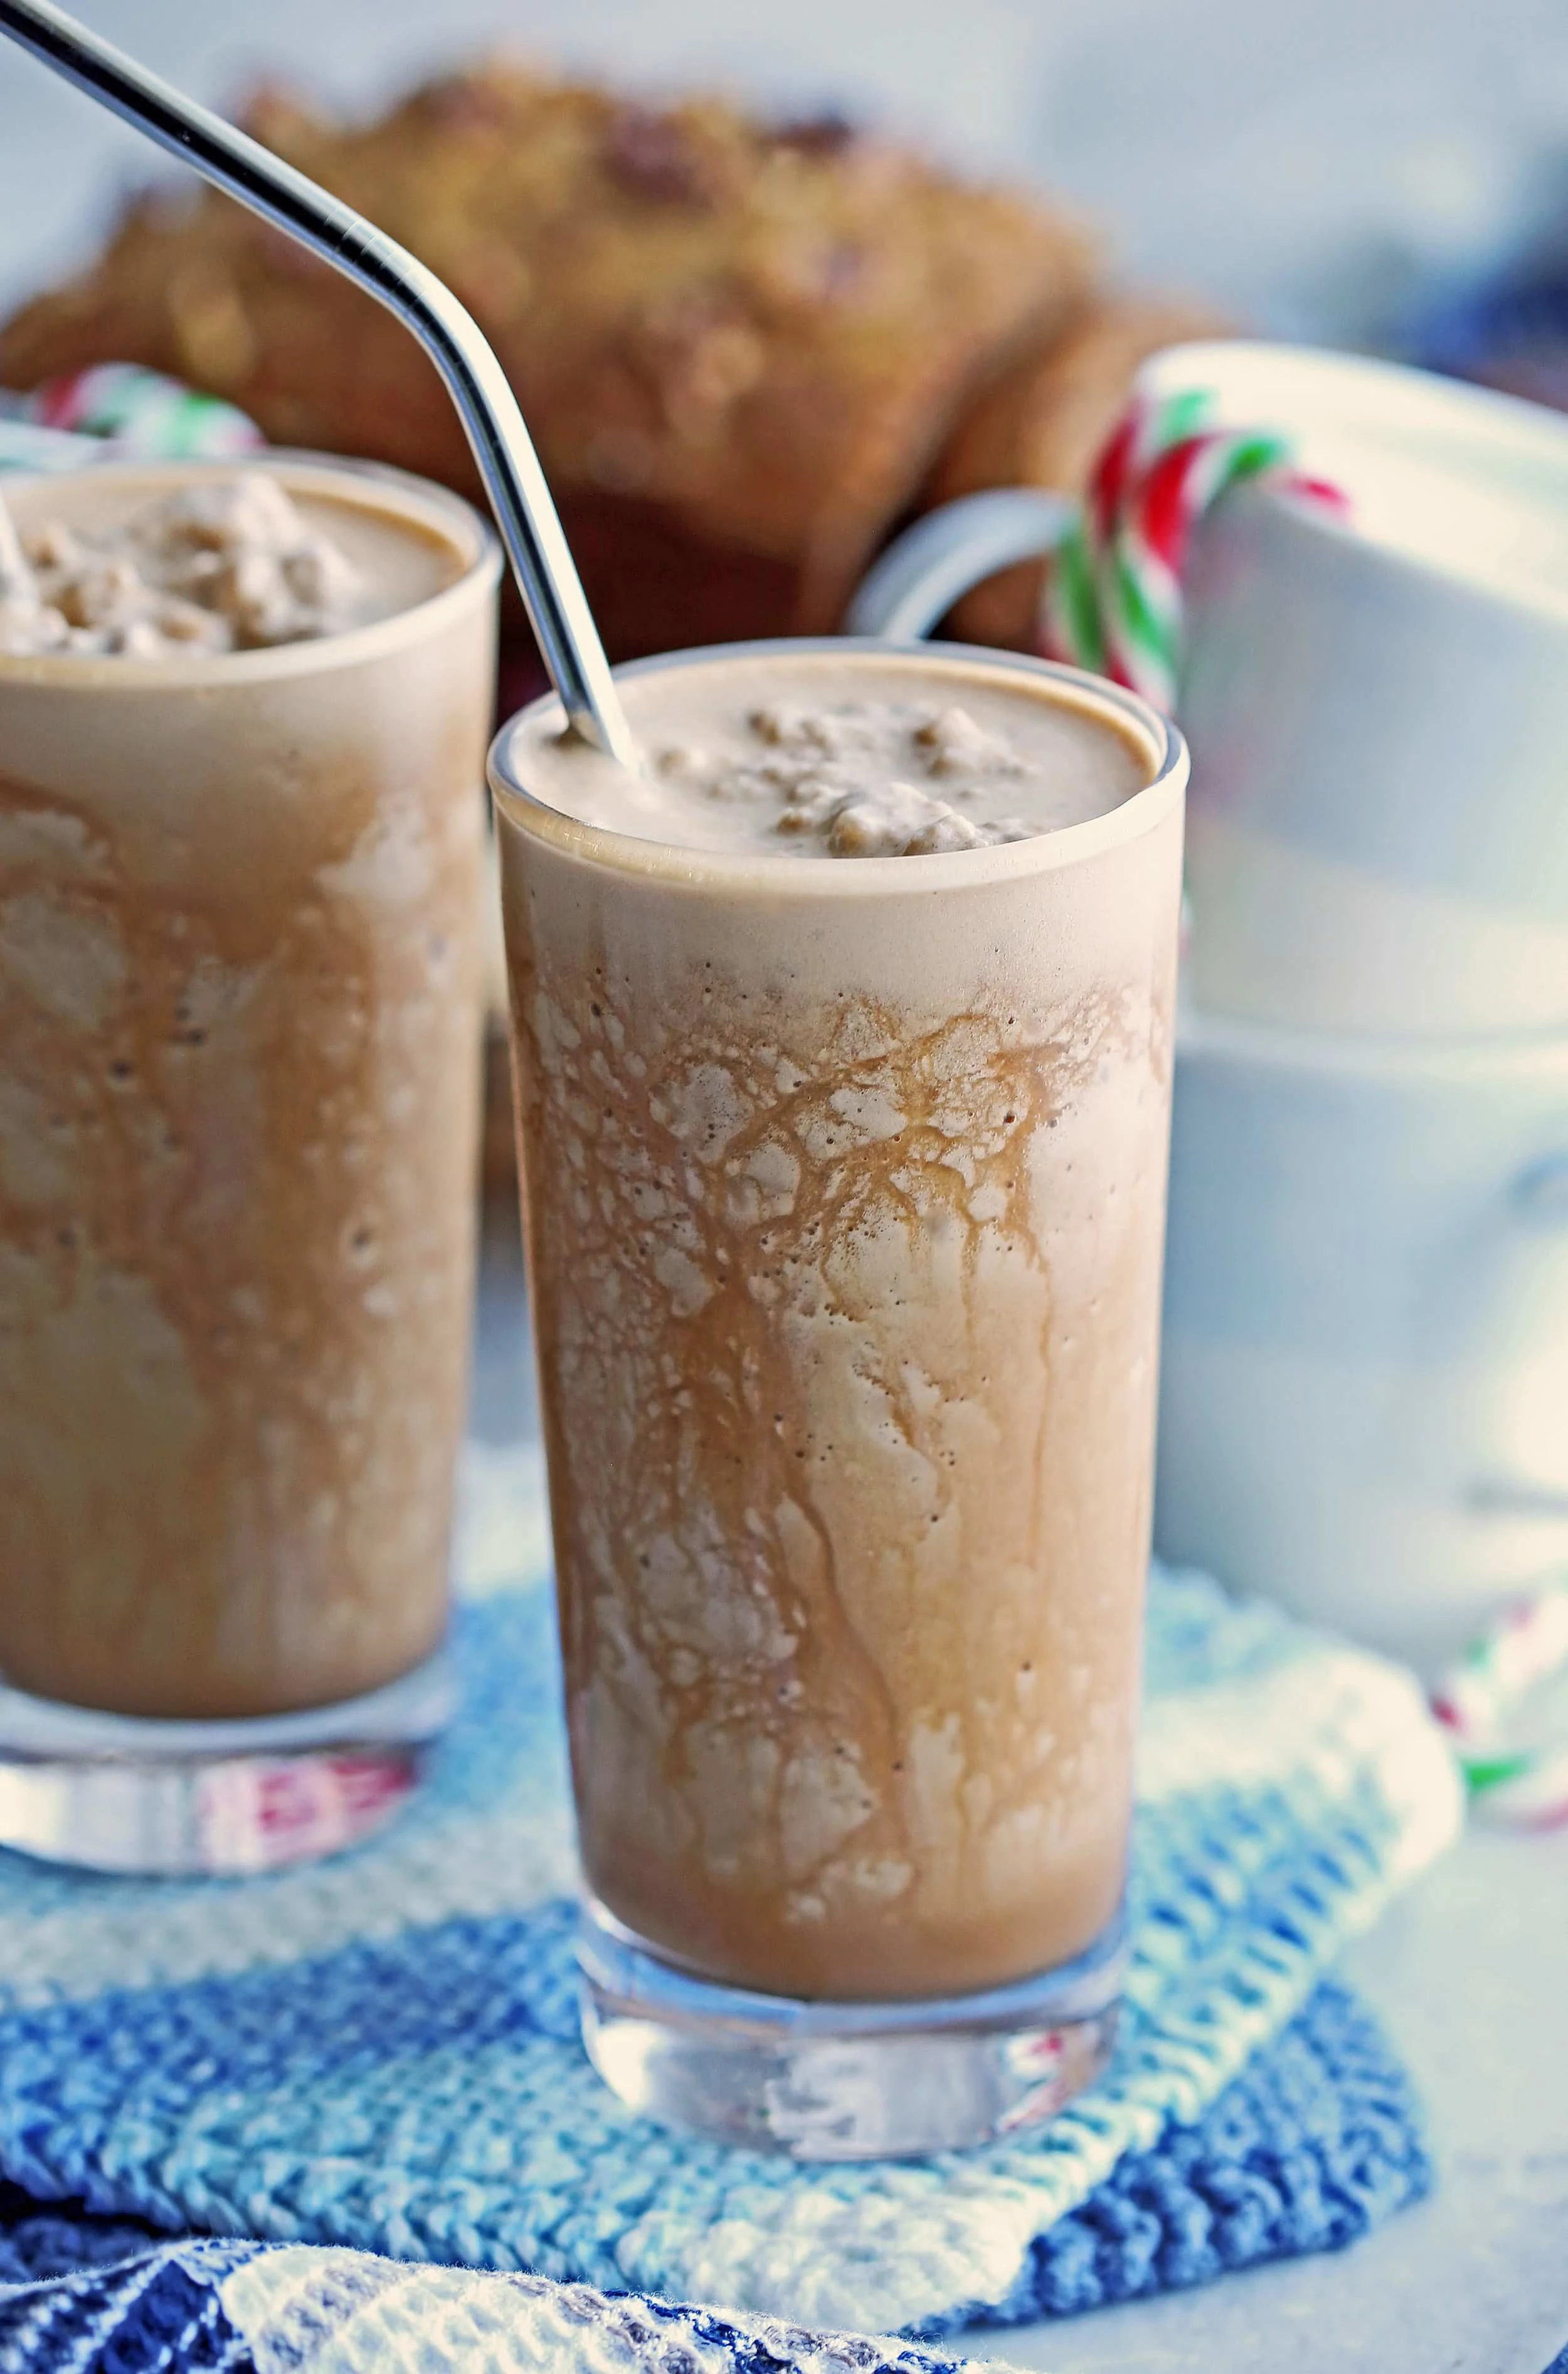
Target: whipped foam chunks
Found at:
219, 565
836, 760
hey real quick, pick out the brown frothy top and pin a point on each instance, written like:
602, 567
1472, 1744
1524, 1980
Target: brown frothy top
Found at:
214, 563
854, 756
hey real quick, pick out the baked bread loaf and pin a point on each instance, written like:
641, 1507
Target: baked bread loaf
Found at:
1042, 423
739, 345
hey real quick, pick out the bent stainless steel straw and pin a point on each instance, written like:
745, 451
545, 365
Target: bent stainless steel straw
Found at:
525, 513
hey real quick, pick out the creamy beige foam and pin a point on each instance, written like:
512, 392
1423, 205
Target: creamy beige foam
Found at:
838, 758
223, 563
845, 1191
240, 1022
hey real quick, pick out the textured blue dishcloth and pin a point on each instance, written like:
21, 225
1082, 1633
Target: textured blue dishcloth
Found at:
379, 2052
1312, 2145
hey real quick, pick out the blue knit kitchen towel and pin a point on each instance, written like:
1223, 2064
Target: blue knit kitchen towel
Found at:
379, 2052
1314, 2142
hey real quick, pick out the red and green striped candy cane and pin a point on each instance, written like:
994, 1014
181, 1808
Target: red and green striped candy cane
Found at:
1511, 1780
141, 415
1114, 602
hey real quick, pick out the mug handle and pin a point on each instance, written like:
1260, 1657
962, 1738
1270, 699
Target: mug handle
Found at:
949, 552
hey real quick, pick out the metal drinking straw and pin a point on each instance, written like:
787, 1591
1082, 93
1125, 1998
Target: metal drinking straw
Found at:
531, 531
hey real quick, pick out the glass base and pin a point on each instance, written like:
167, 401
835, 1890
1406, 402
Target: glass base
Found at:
212, 1800
827, 2081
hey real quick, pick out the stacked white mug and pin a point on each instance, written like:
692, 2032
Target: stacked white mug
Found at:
1364, 1391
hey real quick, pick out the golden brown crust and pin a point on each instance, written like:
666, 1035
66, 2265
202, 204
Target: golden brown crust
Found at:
758, 335
1041, 424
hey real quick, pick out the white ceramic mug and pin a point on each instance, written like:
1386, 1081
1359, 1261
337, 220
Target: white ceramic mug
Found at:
1364, 1380
1377, 705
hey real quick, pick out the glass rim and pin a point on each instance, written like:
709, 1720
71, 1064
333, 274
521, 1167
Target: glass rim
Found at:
788, 874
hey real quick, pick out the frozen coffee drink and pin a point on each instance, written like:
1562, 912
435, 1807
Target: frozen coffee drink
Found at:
241, 733
843, 1041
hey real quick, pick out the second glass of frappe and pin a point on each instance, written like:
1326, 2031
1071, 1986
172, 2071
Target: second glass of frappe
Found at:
242, 723
843, 1046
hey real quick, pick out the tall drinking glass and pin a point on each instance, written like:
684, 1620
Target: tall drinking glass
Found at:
240, 1035
843, 1189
